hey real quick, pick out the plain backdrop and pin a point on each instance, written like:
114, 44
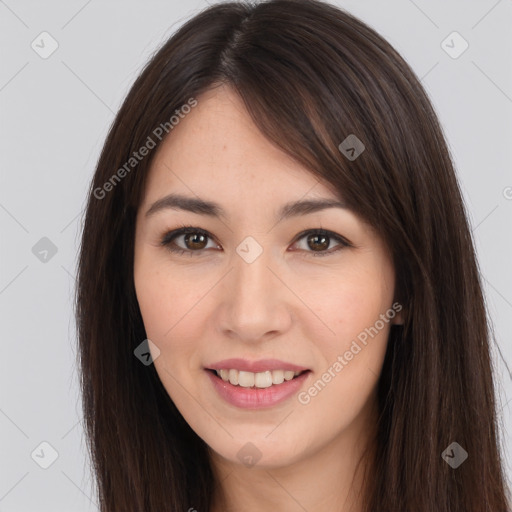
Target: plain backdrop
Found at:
55, 114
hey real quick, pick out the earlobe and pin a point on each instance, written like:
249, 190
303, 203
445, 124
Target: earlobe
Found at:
399, 313
398, 319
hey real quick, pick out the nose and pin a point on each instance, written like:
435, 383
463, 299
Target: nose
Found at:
256, 303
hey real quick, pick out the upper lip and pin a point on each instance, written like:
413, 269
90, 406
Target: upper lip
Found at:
255, 366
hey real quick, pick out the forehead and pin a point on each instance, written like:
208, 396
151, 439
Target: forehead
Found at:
216, 149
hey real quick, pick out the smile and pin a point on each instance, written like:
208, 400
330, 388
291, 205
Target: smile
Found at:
258, 380
251, 396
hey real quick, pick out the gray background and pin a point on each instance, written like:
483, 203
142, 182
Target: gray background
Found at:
55, 113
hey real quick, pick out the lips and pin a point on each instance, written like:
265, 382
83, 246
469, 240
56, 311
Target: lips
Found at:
254, 397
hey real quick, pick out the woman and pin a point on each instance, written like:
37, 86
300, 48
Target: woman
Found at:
278, 301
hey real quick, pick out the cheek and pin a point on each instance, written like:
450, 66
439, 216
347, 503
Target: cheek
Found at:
352, 361
162, 295
171, 309
354, 345
349, 304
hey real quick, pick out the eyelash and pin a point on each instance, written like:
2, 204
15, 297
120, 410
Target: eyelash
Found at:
169, 236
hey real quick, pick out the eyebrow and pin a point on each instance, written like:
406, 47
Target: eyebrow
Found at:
212, 209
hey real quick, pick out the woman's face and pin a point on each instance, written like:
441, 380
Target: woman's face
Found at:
248, 284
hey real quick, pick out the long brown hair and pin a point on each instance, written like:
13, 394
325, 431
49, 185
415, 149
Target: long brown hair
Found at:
310, 75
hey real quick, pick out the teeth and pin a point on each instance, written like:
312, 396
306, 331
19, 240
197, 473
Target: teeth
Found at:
246, 379
259, 380
233, 376
277, 376
288, 375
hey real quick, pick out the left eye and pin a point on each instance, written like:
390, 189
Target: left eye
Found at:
321, 238
196, 240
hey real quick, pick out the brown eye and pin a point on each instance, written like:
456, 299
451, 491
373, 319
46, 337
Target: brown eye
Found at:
193, 240
319, 240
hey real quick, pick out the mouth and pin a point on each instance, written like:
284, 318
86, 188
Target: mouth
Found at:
256, 380
261, 390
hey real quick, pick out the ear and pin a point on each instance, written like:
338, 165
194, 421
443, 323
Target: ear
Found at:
398, 319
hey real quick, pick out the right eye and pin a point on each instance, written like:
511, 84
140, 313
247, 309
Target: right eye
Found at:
193, 237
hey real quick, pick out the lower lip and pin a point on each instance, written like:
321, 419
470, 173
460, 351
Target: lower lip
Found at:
256, 398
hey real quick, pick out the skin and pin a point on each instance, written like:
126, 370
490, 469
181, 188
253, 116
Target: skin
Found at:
287, 304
